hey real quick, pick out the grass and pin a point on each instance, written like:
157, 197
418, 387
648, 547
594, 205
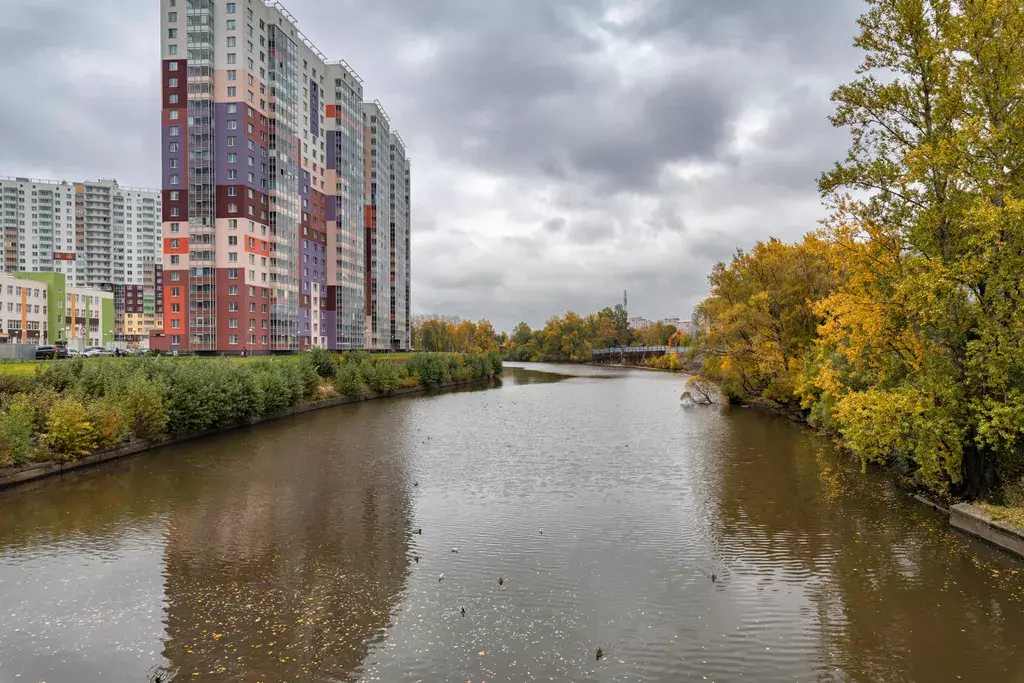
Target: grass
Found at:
1004, 513
21, 368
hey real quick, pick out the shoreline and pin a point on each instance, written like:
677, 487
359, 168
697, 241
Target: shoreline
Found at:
16, 476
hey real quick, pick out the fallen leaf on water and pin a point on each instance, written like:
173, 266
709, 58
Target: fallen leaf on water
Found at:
482, 652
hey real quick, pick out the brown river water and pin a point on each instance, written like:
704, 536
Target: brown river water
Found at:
688, 543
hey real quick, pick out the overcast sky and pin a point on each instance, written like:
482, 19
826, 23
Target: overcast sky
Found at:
563, 150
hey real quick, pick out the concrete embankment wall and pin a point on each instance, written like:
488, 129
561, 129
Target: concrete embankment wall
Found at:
22, 475
976, 522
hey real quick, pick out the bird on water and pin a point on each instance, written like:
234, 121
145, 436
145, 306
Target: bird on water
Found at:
501, 580
463, 611
440, 578
600, 653
455, 549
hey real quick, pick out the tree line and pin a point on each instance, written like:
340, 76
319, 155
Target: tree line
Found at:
899, 326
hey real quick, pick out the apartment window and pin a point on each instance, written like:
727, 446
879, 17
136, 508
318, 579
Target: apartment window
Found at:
232, 174
232, 158
172, 17
174, 179
172, 83
232, 109
233, 339
232, 58
232, 240
252, 259
175, 324
233, 322
232, 75
232, 257
248, 128
232, 124
233, 290
231, 24
174, 227
173, 148
231, 41
173, 99
232, 91
174, 212
175, 308
174, 131
174, 244
174, 278
232, 273
175, 259
175, 291
172, 49
173, 66
252, 161
231, 141
172, 33
173, 163
174, 195
232, 208
232, 306
233, 223
252, 274
230, 8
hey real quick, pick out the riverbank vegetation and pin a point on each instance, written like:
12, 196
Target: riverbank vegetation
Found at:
572, 338
70, 408
898, 327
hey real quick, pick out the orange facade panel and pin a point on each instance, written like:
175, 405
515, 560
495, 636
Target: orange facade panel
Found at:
175, 245
332, 109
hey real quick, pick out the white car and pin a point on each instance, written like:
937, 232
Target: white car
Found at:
93, 351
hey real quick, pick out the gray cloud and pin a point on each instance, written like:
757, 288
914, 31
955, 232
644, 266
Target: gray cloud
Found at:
562, 151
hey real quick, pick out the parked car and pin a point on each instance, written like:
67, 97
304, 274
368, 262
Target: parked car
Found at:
50, 352
74, 353
93, 351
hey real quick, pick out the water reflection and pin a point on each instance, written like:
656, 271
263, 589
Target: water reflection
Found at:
686, 542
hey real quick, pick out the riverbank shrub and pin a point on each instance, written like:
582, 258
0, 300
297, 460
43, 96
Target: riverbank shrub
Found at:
70, 408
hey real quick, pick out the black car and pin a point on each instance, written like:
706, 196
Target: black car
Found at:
44, 352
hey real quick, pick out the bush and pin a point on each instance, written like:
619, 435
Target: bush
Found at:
108, 423
69, 434
144, 408
322, 361
17, 429
349, 381
386, 378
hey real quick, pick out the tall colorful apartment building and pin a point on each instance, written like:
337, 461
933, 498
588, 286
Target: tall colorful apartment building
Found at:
264, 195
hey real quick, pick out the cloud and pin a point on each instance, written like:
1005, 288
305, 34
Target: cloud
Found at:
562, 151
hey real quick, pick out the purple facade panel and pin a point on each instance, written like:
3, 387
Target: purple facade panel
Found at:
332, 207
314, 108
332, 161
330, 328
260, 182
166, 139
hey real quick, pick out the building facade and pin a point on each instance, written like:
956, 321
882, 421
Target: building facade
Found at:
377, 216
25, 310
263, 184
399, 265
76, 316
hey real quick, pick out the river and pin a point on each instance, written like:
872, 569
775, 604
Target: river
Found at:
689, 543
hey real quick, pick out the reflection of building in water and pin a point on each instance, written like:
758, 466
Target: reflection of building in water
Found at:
275, 576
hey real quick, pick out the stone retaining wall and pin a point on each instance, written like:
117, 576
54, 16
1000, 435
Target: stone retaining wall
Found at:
976, 522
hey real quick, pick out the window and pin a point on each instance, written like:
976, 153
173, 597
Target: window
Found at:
232, 306
232, 125
232, 208
232, 257
231, 141
252, 306
232, 158
172, 83
232, 108
174, 195
173, 99
230, 8
172, 33
175, 259
233, 339
173, 163
175, 339
174, 212
174, 244
231, 41
232, 273
232, 75
174, 179
175, 308
172, 17
175, 291
232, 91
233, 290
175, 324
232, 59
231, 24
232, 240
174, 131
172, 49
233, 223
173, 66
233, 322
232, 174
172, 148
174, 227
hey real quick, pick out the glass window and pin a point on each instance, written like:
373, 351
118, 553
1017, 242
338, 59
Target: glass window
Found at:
172, 49
230, 8
172, 17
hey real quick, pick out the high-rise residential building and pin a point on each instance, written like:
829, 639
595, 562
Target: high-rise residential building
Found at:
39, 229
377, 177
399, 265
346, 267
263, 181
